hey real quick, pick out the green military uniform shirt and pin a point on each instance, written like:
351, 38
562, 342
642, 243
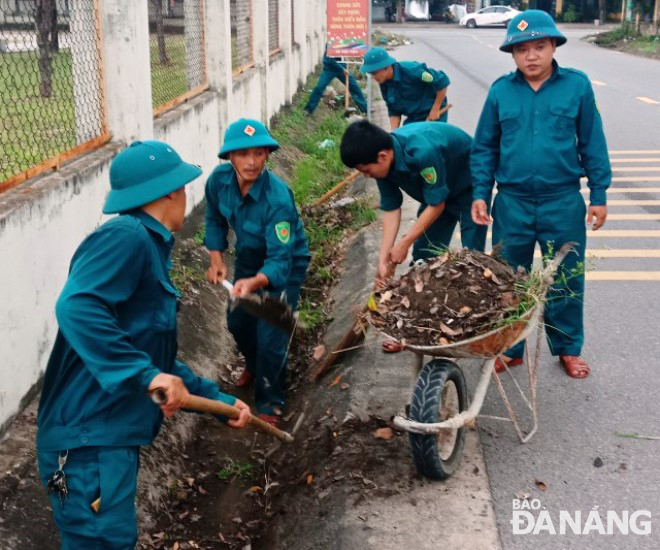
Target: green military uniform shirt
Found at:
412, 90
117, 330
540, 143
431, 164
269, 234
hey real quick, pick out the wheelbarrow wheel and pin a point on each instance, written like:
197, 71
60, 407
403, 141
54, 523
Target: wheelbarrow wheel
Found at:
440, 393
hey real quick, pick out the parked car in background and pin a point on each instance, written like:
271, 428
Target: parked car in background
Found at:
487, 17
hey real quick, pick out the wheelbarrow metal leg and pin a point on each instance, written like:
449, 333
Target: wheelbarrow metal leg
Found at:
460, 419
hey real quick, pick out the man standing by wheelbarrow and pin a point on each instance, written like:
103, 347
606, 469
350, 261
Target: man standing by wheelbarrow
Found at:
431, 163
409, 88
539, 132
117, 340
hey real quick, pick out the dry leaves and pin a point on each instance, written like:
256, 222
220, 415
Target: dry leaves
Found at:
319, 352
384, 433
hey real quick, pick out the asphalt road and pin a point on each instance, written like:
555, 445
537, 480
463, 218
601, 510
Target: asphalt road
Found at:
578, 453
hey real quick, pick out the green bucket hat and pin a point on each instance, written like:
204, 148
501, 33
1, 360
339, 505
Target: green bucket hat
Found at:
375, 60
531, 25
246, 133
144, 172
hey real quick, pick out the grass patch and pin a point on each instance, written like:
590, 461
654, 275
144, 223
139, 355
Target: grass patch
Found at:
34, 129
233, 469
628, 39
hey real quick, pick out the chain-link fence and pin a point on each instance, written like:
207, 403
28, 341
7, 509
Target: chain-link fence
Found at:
241, 34
273, 25
176, 39
51, 85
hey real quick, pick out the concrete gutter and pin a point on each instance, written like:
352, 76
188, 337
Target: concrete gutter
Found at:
455, 514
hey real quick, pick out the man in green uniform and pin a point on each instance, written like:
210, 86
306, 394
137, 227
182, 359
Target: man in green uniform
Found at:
431, 163
539, 132
409, 88
117, 340
271, 253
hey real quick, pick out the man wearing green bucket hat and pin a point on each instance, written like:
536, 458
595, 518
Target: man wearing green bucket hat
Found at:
271, 253
539, 132
409, 88
117, 340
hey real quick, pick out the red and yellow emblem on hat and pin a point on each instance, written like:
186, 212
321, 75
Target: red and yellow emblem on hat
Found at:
249, 130
522, 25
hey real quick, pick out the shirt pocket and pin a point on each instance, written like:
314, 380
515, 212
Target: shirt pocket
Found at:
562, 120
510, 122
165, 307
253, 235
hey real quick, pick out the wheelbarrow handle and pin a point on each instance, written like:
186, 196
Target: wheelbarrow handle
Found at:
202, 404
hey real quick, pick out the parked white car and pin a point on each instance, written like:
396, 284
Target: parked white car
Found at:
486, 17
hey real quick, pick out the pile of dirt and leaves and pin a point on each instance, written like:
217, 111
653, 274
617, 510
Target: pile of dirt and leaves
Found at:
459, 295
388, 40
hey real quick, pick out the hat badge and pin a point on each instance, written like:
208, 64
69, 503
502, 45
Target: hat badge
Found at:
522, 25
249, 130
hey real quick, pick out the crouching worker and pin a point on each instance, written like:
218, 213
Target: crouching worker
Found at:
271, 254
431, 163
117, 340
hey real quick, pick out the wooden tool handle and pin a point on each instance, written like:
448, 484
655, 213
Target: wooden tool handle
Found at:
347, 94
202, 404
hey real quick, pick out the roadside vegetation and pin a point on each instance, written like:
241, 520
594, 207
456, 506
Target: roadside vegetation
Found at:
628, 39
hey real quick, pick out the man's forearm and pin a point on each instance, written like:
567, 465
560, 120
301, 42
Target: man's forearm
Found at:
391, 222
217, 257
439, 98
425, 220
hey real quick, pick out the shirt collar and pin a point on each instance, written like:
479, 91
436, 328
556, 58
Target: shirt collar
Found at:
154, 226
256, 188
396, 75
399, 156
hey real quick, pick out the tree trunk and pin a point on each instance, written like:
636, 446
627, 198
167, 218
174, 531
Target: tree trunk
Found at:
400, 11
656, 16
54, 32
602, 11
43, 19
160, 32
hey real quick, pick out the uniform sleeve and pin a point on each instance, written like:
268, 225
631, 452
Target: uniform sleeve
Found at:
434, 174
392, 108
216, 224
280, 243
592, 148
484, 154
438, 80
203, 387
391, 197
105, 272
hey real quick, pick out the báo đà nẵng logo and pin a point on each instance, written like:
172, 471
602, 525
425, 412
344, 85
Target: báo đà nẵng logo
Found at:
531, 518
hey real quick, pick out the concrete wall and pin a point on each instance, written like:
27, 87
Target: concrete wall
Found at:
43, 220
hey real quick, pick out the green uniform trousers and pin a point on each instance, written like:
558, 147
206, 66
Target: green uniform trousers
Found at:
265, 348
439, 234
522, 221
93, 472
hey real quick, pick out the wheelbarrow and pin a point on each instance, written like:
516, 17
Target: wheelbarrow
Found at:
438, 416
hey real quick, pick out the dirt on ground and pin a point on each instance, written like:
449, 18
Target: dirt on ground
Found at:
457, 296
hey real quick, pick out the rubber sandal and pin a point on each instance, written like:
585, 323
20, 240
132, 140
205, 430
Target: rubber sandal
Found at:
574, 366
501, 364
392, 346
245, 379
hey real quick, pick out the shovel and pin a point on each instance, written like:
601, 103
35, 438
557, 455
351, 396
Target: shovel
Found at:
202, 404
276, 312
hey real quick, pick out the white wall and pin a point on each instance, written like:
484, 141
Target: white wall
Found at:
43, 220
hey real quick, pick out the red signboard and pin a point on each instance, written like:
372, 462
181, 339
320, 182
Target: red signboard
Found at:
348, 28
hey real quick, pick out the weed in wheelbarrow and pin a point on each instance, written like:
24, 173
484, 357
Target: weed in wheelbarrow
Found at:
456, 296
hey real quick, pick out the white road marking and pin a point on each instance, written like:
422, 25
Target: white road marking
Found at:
642, 159
648, 100
598, 83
